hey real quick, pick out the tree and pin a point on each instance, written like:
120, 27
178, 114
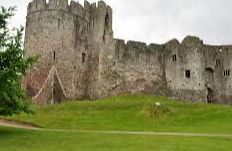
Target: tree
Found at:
13, 65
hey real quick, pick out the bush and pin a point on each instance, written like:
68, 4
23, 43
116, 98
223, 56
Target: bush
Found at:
156, 110
13, 65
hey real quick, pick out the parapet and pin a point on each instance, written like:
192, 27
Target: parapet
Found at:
58, 4
137, 44
131, 43
77, 9
101, 4
191, 40
74, 8
156, 46
36, 5
87, 5
119, 41
174, 43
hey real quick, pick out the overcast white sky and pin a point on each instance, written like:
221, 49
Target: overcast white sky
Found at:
157, 21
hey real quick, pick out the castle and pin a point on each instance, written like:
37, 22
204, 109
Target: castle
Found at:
80, 59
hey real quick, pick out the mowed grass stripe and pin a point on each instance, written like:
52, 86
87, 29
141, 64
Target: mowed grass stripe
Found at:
117, 132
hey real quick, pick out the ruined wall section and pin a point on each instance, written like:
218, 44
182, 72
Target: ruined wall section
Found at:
218, 58
223, 74
185, 69
58, 33
103, 48
198, 72
137, 68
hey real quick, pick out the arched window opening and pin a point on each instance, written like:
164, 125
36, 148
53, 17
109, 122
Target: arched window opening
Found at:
209, 69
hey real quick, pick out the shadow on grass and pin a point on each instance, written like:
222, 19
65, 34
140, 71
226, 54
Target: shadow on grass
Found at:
9, 132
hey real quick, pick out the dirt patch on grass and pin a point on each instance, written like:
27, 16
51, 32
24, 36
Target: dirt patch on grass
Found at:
18, 124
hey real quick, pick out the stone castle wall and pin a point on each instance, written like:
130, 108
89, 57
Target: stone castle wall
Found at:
139, 68
80, 59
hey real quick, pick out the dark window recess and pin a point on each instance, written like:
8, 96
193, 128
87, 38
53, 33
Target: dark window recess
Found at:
174, 58
210, 96
187, 73
83, 57
107, 22
107, 27
226, 73
54, 56
58, 23
218, 62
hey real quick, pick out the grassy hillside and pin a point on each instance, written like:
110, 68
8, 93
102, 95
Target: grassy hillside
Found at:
134, 113
130, 113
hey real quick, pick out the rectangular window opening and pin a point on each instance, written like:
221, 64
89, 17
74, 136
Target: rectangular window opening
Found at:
187, 73
226, 73
54, 56
174, 58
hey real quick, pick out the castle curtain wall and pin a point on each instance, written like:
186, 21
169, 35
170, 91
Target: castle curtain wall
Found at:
80, 59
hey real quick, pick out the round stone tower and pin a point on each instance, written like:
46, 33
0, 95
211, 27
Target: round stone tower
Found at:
66, 39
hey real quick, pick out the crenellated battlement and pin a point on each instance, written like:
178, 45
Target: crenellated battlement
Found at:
137, 53
78, 9
138, 44
74, 7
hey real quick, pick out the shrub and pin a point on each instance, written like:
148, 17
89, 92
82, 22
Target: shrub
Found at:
156, 110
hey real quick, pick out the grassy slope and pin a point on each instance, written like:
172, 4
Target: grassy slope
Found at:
128, 113
122, 113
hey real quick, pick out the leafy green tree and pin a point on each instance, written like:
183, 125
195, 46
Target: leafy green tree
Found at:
13, 65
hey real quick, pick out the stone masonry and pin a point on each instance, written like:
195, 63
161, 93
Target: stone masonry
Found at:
80, 59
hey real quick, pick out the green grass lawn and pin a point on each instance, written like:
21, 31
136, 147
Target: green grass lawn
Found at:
20, 140
129, 113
